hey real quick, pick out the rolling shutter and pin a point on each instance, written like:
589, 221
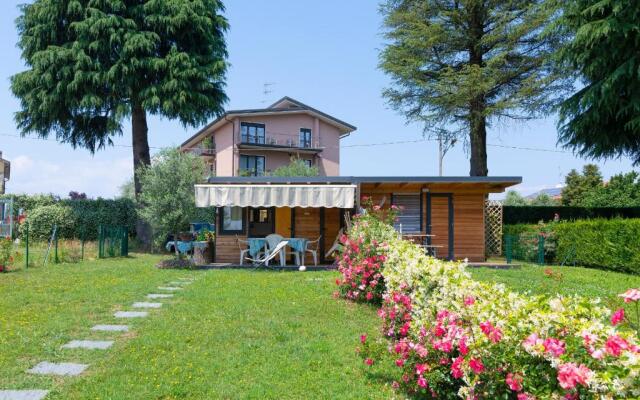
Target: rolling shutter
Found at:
409, 217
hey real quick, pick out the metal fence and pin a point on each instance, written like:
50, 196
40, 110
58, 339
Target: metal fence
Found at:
531, 248
6, 218
113, 241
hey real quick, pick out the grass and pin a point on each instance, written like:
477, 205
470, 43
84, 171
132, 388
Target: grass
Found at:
231, 334
565, 280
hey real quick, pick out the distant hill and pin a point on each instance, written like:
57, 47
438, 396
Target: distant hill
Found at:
554, 193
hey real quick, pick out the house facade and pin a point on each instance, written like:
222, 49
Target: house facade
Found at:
242, 147
255, 142
5, 173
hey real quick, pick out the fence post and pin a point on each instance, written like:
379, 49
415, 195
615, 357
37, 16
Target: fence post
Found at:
541, 250
26, 243
508, 248
55, 250
124, 251
100, 241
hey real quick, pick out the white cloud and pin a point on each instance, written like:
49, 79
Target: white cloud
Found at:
97, 177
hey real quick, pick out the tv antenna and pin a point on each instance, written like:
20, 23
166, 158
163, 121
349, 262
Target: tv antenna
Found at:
267, 90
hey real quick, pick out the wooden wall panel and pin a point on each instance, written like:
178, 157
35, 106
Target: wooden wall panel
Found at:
331, 227
469, 226
307, 223
440, 224
227, 250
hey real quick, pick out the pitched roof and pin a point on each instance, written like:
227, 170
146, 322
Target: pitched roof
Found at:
285, 105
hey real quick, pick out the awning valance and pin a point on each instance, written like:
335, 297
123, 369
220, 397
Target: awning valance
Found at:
332, 196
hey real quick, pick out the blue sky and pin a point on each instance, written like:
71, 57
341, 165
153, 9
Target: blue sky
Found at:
323, 53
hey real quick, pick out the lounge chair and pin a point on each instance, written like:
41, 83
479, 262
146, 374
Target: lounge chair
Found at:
264, 261
274, 240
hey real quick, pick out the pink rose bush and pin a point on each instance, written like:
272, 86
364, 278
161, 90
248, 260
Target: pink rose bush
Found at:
448, 336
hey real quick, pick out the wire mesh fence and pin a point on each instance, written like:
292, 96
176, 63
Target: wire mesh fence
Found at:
532, 248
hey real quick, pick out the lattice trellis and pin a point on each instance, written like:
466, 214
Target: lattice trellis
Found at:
493, 227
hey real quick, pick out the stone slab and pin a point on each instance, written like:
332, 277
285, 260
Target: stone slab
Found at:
159, 296
169, 288
111, 328
88, 344
131, 314
180, 283
62, 369
23, 394
144, 304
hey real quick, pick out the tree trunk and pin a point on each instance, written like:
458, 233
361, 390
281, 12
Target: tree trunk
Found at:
477, 106
478, 140
141, 157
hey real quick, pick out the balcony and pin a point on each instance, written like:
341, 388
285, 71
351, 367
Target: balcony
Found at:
283, 143
207, 149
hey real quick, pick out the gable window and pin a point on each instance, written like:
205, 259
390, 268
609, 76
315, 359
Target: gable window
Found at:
305, 137
252, 133
252, 165
232, 220
309, 163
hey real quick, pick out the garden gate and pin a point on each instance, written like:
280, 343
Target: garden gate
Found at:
113, 241
493, 227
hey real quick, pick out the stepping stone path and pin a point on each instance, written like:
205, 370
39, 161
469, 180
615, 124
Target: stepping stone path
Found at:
62, 369
131, 314
169, 288
159, 296
143, 304
89, 344
180, 283
111, 328
23, 394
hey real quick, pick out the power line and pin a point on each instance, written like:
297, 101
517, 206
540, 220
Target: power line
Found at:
392, 143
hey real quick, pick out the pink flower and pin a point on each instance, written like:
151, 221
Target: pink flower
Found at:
400, 362
476, 365
514, 382
363, 338
617, 317
369, 296
395, 385
462, 346
421, 368
422, 382
456, 368
368, 361
532, 341
554, 346
631, 295
615, 345
570, 374
469, 300
492, 332
526, 396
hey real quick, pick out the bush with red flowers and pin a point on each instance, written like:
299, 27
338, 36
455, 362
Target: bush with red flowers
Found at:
6, 246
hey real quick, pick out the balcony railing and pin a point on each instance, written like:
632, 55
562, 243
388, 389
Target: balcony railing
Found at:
281, 141
200, 151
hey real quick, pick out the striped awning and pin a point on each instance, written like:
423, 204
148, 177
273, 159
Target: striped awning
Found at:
330, 196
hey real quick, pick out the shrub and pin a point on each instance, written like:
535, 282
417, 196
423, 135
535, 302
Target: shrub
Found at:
534, 214
42, 219
607, 244
361, 259
452, 337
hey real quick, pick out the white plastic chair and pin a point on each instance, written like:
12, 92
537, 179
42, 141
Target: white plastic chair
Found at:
264, 261
273, 240
243, 246
314, 250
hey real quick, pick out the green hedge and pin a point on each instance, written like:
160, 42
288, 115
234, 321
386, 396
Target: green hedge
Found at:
534, 214
608, 244
75, 218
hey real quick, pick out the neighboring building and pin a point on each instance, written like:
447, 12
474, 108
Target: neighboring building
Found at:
243, 146
256, 141
5, 173
555, 193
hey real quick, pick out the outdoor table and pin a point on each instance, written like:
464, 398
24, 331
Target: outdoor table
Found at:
298, 245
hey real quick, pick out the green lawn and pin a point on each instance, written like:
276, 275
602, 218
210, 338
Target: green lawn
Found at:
231, 334
567, 280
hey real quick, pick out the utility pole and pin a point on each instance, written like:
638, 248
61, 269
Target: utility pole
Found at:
440, 155
444, 145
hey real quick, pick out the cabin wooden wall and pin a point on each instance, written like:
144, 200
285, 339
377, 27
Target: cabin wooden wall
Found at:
469, 226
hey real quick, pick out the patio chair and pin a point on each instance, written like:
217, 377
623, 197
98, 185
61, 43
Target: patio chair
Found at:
243, 246
271, 254
273, 240
313, 247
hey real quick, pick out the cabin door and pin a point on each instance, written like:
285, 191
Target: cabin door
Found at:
440, 223
261, 221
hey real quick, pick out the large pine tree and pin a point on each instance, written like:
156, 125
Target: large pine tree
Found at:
602, 119
457, 65
94, 63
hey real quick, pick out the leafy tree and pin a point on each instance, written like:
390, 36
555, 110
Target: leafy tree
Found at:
168, 191
296, 167
514, 198
602, 119
543, 199
579, 185
456, 66
127, 190
622, 190
92, 64
73, 195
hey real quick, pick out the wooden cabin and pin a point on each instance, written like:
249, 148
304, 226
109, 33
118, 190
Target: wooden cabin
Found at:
447, 211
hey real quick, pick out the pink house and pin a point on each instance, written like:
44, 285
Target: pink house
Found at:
256, 141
